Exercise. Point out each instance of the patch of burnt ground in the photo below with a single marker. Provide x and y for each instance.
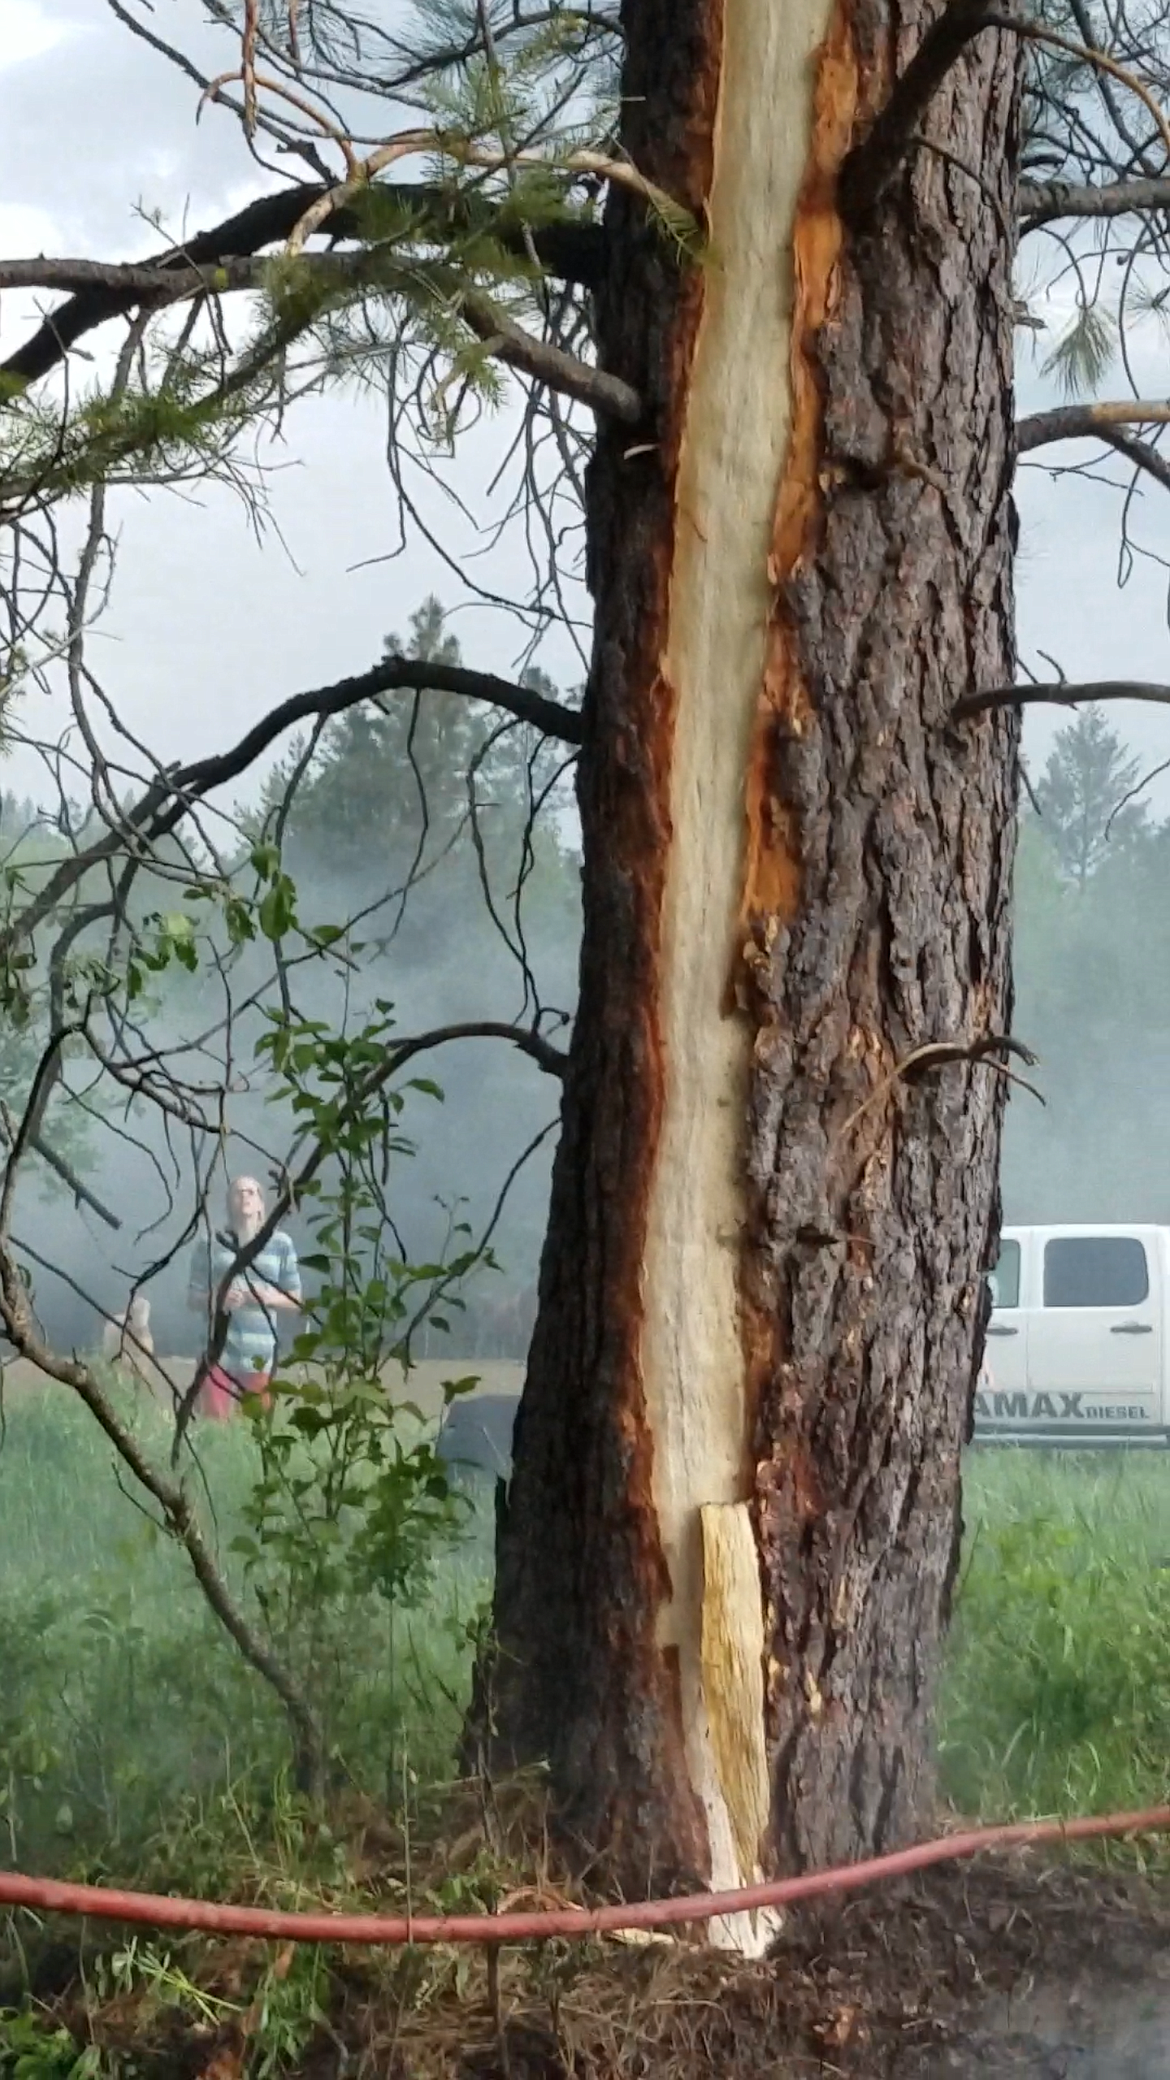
(1007, 1967)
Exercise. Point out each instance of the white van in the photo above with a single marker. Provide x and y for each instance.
(1078, 1345)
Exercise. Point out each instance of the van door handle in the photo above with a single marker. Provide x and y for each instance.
(1001, 1329)
(1132, 1329)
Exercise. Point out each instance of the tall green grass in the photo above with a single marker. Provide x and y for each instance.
(124, 1710)
(123, 1704)
(1056, 1691)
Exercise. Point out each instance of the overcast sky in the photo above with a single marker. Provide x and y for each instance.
(207, 627)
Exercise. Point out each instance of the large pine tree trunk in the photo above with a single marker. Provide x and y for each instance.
(724, 1568)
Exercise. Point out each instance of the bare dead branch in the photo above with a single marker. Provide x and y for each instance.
(1143, 455)
(551, 1059)
(170, 797)
(57, 1163)
(934, 1055)
(1105, 423)
(392, 675)
(1058, 695)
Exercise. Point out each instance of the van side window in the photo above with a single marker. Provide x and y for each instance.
(1005, 1279)
(1095, 1271)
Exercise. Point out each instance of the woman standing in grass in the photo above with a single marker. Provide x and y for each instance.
(268, 1287)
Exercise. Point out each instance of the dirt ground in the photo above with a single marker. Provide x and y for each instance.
(1002, 1969)
(996, 1970)
(1005, 1971)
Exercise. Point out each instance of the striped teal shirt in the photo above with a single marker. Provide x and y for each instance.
(250, 1343)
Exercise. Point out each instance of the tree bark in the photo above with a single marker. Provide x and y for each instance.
(725, 1561)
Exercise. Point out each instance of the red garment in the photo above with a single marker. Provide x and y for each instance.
(223, 1392)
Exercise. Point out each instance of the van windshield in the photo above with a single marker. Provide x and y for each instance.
(1005, 1279)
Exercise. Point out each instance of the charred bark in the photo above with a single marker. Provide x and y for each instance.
(725, 1564)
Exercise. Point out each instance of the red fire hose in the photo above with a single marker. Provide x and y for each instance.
(154, 1910)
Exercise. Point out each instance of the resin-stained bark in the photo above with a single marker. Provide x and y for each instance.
(725, 1562)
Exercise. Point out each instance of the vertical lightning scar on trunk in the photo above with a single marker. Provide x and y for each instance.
(746, 478)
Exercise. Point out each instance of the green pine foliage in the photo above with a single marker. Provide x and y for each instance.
(406, 251)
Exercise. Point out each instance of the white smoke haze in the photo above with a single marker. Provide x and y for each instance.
(155, 1178)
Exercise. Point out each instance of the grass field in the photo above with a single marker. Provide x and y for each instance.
(126, 1718)
(1056, 1693)
(125, 1712)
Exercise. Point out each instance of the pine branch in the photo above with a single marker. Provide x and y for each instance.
(569, 252)
(1044, 202)
(505, 339)
(508, 342)
(1102, 422)
(871, 166)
